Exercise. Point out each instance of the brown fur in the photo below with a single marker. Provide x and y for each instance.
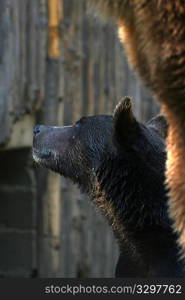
(153, 33)
(108, 210)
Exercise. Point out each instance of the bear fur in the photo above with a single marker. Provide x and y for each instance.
(153, 34)
(120, 164)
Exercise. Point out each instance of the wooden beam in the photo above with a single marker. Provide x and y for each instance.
(55, 15)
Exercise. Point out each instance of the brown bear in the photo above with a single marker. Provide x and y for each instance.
(153, 33)
(120, 164)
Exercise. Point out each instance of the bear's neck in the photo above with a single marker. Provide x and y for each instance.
(130, 195)
(134, 202)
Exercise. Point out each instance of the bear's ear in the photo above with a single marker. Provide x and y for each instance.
(124, 122)
(160, 125)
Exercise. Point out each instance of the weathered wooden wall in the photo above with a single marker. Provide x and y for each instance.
(88, 74)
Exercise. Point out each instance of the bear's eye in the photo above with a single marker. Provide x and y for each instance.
(78, 123)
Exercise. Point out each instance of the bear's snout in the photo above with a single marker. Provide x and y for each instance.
(40, 129)
(41, 137)
(51, 141)
(36, 129)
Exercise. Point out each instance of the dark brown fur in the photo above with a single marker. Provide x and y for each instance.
(153, 33)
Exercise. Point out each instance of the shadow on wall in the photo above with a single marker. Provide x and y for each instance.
(17, 214)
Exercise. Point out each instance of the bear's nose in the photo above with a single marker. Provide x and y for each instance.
(36, 129)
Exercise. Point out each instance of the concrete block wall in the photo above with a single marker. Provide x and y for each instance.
(17, 214)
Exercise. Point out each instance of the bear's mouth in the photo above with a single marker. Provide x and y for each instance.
(43, 154)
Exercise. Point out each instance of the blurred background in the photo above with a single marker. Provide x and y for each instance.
(57, 63)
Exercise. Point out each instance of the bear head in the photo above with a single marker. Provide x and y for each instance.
(115, 158)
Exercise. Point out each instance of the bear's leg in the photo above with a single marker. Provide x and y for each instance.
(175, 173)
